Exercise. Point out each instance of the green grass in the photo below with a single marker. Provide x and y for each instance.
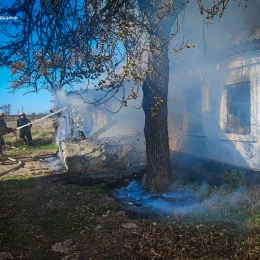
(48, 146)
(43, 141)
(38, 137)
(25, 150)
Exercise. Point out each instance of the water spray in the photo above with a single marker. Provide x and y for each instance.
(41, 118)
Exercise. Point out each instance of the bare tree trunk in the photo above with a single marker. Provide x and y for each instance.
(161, 15)
(155, 90)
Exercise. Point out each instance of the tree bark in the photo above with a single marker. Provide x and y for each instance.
(155, 88)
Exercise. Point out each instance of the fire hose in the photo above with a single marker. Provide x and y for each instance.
(16, 167)
(41, 118)
(21, 163)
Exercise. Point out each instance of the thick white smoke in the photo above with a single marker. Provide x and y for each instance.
(89, 118)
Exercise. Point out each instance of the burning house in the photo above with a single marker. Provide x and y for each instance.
(92, 139)
(214, 103)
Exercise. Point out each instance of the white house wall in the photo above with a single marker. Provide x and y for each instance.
(213, 142)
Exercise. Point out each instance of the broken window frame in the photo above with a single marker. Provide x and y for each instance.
(232, 129)
(193, 129)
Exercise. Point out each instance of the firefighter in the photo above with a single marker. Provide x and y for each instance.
(25, 132)
(3, 130)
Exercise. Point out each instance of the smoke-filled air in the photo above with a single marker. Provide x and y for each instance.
(150, 146)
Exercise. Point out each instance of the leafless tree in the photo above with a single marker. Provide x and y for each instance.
(6, 109)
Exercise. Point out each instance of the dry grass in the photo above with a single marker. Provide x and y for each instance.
(42, 135)
(45, 125)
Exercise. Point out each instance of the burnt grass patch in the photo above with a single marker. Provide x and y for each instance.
(110, 181)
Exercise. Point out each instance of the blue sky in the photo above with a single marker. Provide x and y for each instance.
(31, 102)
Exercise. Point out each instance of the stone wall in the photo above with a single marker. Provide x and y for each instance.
(102, 155)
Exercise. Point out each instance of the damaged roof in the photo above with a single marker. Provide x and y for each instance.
(252, 32)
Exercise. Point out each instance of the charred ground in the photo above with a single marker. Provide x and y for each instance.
(55, 215)
(42, 217)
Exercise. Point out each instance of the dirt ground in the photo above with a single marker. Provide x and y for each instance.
(43, 216)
